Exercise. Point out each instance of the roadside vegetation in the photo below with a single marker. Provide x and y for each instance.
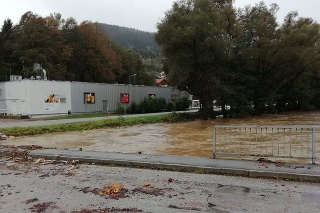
(73, 116)
(120, 121)
(241, 57)
(147, 105)
(153, 105)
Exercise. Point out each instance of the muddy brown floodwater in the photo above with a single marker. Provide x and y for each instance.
(183, 139)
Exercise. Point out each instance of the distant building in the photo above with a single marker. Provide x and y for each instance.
(161, 82)
(35, 97)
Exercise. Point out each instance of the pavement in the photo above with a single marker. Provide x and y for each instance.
(245, 168)
(5, 123)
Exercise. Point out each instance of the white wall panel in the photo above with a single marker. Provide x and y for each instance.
(29, 96)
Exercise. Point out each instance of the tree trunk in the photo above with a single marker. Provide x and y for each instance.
(206, 110)
(223, 110)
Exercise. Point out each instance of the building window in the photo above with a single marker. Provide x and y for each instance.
(63, 100)
(152, 96)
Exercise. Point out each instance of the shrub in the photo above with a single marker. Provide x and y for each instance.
(144, 106)
(171, 106)
(161, 104)
(182, 104)
(150, 105)
(120, 109)
(133, 109)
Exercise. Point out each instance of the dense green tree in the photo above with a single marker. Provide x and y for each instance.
(300, 38)
(241, 58)
(197, 40)
(276, 62)
(68, 51)
(257, 54)
(38, 40)
(5, 59)
(93, 58)
(133, 65)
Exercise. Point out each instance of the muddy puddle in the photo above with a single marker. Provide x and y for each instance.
(182, 139)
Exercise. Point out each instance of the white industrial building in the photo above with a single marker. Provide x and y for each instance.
(39, 97)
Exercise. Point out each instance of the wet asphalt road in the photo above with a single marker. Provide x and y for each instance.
(68, 188)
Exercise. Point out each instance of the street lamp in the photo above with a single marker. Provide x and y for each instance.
(130, 77)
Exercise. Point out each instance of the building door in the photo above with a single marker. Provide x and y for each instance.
(105, 106)
(13, 103)
(23, 107)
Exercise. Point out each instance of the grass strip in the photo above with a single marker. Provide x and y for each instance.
(107, 123)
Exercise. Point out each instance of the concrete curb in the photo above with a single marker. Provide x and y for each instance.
(186, 168)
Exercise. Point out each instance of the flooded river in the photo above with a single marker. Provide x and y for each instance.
(193, 138)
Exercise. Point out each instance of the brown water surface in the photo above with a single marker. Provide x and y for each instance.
(193, 138)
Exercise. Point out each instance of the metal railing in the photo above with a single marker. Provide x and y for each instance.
(266, 141)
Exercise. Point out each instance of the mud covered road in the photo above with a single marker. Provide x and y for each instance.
(36, 185)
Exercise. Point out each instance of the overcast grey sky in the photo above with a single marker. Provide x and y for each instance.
(138, 14)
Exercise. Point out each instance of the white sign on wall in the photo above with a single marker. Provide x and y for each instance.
(52, 102)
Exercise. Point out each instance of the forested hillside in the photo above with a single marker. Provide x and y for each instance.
(70, 51)
(140, 41)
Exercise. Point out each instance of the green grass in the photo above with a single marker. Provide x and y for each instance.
(73, 116)
(107, 123)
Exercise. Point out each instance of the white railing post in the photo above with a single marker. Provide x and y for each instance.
(214, 142)
(313, 145)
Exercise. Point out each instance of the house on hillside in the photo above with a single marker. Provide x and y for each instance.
(161, 82)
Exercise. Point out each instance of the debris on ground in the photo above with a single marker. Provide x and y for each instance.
(111, 191)
(18, 154)
(40, 160)
(72, 163)
(184, 208)
(3, 137)
(148, 185)
(41, 207)
(266, 163)
(31, 200)
(151, 190)
(109, 210)
(116, 191)
(170, 180)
